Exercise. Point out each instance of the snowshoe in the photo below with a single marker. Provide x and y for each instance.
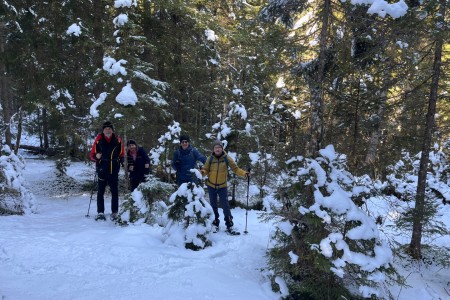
(231, 231)
(100, 217)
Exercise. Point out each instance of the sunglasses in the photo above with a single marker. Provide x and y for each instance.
(184, 142)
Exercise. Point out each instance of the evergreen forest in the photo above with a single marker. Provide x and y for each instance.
(307, 85)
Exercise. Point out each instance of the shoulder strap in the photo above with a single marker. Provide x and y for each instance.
(225, 158)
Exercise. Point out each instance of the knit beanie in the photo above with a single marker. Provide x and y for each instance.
(131, 142)
(108, 124)
(184, 137)
(217, 143)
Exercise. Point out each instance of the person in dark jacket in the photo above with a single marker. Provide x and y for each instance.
(108, 153)
(138, 164)
(185, 159)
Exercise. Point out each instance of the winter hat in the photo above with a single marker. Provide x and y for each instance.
(217, 143)
(108, 124)
(131, 142)
(184, 137)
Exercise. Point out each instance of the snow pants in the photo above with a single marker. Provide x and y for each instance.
(134, 182)
(113, 181)
(222, 193)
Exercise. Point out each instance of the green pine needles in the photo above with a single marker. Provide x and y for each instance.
(190, 217)
(326, 246)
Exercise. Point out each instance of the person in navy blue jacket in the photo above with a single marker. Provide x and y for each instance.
(138, 164)
(185, 159)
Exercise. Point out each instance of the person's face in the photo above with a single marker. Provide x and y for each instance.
(184, 144)
(217, 150)
(132, 147)
(107, 131)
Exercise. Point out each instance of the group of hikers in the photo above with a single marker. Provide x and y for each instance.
(109, 153)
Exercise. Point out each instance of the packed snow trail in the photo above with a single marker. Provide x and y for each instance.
(58, 253)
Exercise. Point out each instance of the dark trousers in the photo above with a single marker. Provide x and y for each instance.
(134, 182)
(113, 181)
(181, 181)
(222, 193)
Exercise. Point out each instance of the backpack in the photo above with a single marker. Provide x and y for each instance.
(225, 158)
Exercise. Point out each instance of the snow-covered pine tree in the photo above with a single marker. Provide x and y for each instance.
(401, 189)
(15, 199)
(147, 203)
(325, 245)
(160, 155)
(190, 217)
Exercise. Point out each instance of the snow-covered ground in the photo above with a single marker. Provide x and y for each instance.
(59, 253)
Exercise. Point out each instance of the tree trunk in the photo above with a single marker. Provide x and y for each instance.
(418, 213)
(45, 128)
(317, 101)
(19, 131)
(354, 157)
(375, 136)
(97, 32)
(5, 94)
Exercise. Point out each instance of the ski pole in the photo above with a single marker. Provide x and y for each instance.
(92, 193)
(246, 209)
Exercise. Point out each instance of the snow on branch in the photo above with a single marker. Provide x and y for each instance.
(383, 8)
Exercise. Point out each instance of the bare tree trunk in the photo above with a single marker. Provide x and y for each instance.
(45, 128)
(317, 101)
(98, 11)
(5, 94)
(378, 125)
(19, 131)
(354, 160)
(418, 213)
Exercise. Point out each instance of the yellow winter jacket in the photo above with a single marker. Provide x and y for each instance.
(217, 170)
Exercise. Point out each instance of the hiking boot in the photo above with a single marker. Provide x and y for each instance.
(114, 216)
(215, 225)
(229, 221)
(230, 230)
(100, 217)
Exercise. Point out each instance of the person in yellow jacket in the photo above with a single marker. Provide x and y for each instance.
(216, 167)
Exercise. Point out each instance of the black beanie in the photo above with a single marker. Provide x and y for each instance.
(184, 137)
(108, 124)
(131, 142)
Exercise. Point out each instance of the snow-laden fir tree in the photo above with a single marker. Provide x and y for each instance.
(401, 188)
(325, 245)
(14, 197)
(147, 203)
(190, 218)
(160, 154)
